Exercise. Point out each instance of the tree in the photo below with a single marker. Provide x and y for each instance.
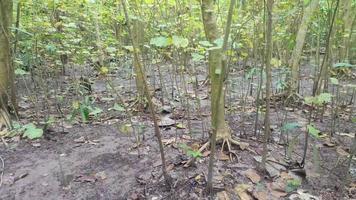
(297, 52)
(268, 55)
(6, 71)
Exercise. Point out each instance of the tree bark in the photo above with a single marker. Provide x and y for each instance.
(297, 52)
(268, 56)
(6, 71)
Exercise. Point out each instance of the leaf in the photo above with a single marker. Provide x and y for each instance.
(20, 72)
(292, 185)
(334, 81)
(313, 131)
(324, 98)
(95, 111)
(197, 57)
(205, 43)
(340, 65)
(159, 41)
(290, 126)
(194, 154)
(180, 42)
(32, 132)
(84, 112)
(252, 175)
(118, 107)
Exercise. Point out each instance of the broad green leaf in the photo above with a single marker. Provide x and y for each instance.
(292, 185)
(205, 43)
(324, 98)
(313, 131)
(194, 154)
(180, 42)
(32, 132)
(340, 65)
(20, 72)
(197, 57)
(290, 126)
(118, 107)
(334, 81)
(160, 41)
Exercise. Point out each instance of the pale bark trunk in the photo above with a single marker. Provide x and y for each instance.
(268, 56)
(297, 52)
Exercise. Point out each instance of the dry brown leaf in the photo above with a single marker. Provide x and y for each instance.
(252, 175)
(260, 195)
(222, 156)
(241, 191)
(342, 152)
(223, 196)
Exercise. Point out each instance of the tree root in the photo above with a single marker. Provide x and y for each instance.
(228, 140)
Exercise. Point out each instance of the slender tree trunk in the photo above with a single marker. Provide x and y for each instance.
(268, 56)
(217, 66)
(6, 70)
(348, 19)
(297, 52)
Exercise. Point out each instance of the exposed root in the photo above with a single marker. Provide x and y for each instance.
(225, 136)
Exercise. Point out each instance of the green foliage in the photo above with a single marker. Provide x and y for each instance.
(313, 131)
(318, 100)
(160, 41)
(32, 132)
(189, 151)
(84, 109)
(292, 185)
(290, 126)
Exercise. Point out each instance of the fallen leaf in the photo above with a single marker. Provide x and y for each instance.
(222, 196)
(342, 152)
(241, 190)
(303, 195)
(222, 156)
(166, 121)
(101, 175)
(252, 175)
(80, 140)
(169, 141)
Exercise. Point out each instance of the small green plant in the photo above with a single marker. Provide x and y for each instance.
(30, 131)
(292, 185)
(84, 109)
(190, 152)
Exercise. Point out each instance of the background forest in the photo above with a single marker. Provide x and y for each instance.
(177, 99)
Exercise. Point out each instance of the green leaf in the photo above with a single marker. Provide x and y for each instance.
(334, 81)
(32, 132)
(290, 126)
(217, 71)
(118, 107)
(194, 154)
(205, 43)
(95, 111)
(84, 112)
(160, 41)
(340, 65)
(313, 131)
(180, 42)
(292, 185)
(20, 72)
(197, 57)
(324, 98)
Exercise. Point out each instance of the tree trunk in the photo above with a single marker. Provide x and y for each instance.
(215, 62)
(6, 71)
(268, 56)
(348, 19)
(297, 52)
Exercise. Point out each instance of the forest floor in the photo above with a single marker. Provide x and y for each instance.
(102, 159)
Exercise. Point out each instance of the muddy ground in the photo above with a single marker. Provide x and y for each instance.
(102, 160)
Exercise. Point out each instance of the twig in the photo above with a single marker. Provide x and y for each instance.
(2, 170)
